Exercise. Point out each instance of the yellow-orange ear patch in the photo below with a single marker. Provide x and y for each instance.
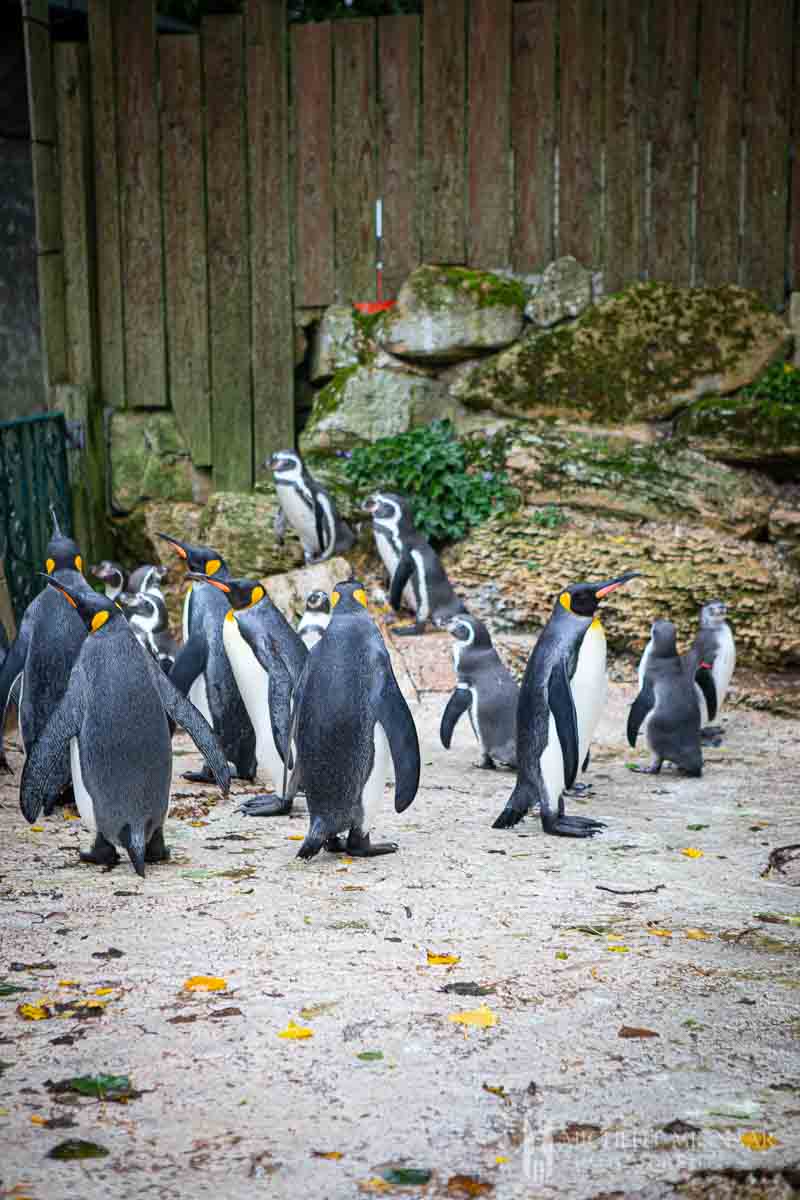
(335, 598)
(99, 620)
(361, 596)
(566, 600)
(230, 615)
(257, 594)
(78, 563)
(51, 565)
(212, 566)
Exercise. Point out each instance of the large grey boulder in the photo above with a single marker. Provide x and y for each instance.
(444, 314)
(149, 459)
(564, 293)
(335, 344)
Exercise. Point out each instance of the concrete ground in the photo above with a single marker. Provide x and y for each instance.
(571, 944)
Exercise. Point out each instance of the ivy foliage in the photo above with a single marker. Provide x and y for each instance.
(452, 485)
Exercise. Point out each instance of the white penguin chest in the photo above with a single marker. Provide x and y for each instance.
(83, 800)
(589, 685)
(299, 510)
(724, 663)
(390, 558)
(253, 684)
(372, 795)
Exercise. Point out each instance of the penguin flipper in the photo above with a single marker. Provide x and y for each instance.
(280, 700)
(402, 573)
(184, 713)
(189, 663)
(457, 705)
(641, 706)
(395, 717)
(704, 679)
(13, 665)
(47, 767)
(562, 706)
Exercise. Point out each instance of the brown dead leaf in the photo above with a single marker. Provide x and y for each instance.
(468, 1185)
(576, 1133)
(633, 1031)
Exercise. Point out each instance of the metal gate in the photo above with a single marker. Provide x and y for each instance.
(33, 476)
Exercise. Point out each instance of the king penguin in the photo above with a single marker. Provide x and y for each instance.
(712, 657)
(417, 577)
(562, 696)
(202, 669)
(50, 635)
(309, 508)
(254, 634)
(315, 618)
(116, 740)
(349, 718)
(486, 690)
(667, 698)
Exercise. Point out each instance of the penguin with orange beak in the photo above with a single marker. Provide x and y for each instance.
(561, 699)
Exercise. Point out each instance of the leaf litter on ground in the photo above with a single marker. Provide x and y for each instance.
(97, 1087)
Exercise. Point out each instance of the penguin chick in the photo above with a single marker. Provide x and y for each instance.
(112, 576)
(712, 659)
(309, 508)
(485, 689)
(417, 576)
(562, 696)
(315, 619)
(667, 697)
(348, 718)
(118, 739)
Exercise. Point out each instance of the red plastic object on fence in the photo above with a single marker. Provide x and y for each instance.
(373, 306)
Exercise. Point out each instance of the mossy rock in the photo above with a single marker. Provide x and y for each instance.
(345, 338)
(642, 354)
(565, 292)
(444, 314)
(240, 525)
(511, 569)
(149, 459)
(743, 429)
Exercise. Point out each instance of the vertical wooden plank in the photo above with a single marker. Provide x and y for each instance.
(47, 198)
(312, 101)
(355, 161)
(108, 246)
(580, 132)
(720, 126)
(185, 251)
(533, 131)
(624, 233)
(794, 229)
(270, 263)
(671, 73)
(228, 271)
(769, 89)
(71, 73)
(489, 143)
(444, 67)
(398, 141)
(140, 191)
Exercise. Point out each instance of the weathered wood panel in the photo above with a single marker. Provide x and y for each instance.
(355, 165)
(108, 245)
(228, 253)
(444, 70)
(140, 189)
(71, 68)
(312, 101)
(720, 124)
(489, 141)
(580, 131)
(186, 265)
(767, 112)
(671, 74)
(47, 198)
(624, 233)
(794, 231)
(268, 143)
(533, 131)
(398, 146)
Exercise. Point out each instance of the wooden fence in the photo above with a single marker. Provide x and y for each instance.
(233, 175)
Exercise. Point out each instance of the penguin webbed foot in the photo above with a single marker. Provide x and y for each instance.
(414, 630)
(711, 735)
(5, 768)
(360, 846)
(560, 825)
(156, 850)
(267, 805)
(102, 854)
(578, 789)
(487, 763)
(204, 775)
(335, 845)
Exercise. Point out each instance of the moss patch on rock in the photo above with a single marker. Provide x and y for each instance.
(435, 287)
(743, 429)
(240, 524)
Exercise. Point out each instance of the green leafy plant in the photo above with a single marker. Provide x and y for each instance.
(452, 485)
(549, 517)
(780, 384)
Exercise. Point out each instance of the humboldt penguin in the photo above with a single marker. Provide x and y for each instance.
(562, 696)
(147, 617)
(712, 657)
(486, 690)
(667, 698)
(315, 619)
(255, 633)
(37, 666)
(308, 508)
(201, 667)
(417, 577)
(112, 576)
(148, 578)
(115, 741)
(349, 718)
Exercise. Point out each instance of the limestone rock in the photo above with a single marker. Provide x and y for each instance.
(364, 403)
(642, 354)
(739, 429)
(565, 292)
(510, 571)
(240, 525)
(289, 590)
(335, 343)
(149, 459)
(444, 314)
(784, 523)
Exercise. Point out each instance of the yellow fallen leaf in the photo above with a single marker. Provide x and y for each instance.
(37, 1120)
(69, 814)
(205, 983)
(692, 852)
(660, 932)
(482, 1018)
(443, 960)
(697, 935)
(758, 1139)
(375, 1185)
(68, 983)
(501, 1158)
(348, 861)
(333, 1155)
(296, 1032)
(37, 828)
(295, 837)
(34, 1012)
(103, 991)
(198, 824)
(91, 1003)
(618, 949)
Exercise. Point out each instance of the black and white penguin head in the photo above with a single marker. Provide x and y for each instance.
(469, 630)
(388, 508)
(95, 611)
(202, 560)
(348, 597)
(152, 578)
(62, 552)
(713, 614)
(241, 593)
(318, 602)
(140, 609)
(110, 573)
(583, 599)
(286, 466)
(663, 639)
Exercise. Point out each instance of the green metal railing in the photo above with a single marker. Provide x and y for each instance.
(33, 476)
